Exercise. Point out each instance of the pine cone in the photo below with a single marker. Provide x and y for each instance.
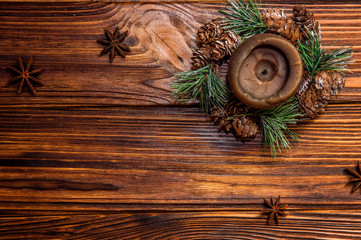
(201, 57)
(210, 31)
(233, 119)
(244, 127)
(220, 118)
(312, 103)
(323, 86)
(278, 23)
(225, 45)
(304, 19)
(329, 82)
(234, 107)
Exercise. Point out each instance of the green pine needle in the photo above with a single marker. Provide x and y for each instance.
(244, 18)
(201, 84)
(274, 125)
(316, 58)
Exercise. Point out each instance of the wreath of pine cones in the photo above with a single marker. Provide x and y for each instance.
(217, 42)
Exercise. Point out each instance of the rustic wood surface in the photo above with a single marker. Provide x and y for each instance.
(103, 151)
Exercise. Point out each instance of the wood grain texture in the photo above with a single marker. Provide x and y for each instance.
(191, 225)
(62, 38)
(131, 157)
(103, 152)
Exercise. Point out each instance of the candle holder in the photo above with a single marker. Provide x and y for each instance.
(265, 71)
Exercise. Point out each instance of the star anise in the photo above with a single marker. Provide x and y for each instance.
(26, 75)
(113, 43)
(275, 211)
(356, 180)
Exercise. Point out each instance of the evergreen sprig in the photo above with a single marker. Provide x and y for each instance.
(316, 58)
(274, 125)
(202, 83)
(244, 18)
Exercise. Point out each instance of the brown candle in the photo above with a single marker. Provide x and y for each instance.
(265, 71)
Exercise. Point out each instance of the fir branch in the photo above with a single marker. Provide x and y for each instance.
(274, 125)
(316, 58)
(201, 84)
(244, 18)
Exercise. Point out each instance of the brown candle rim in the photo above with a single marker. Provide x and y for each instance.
(294, 75)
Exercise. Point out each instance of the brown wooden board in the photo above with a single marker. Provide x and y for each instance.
(190, 225)
(170, 156)
(62, 38)
(104, 152)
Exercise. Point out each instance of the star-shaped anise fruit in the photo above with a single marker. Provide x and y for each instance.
(113, 43)
(26, 75)
(356, 180)
(275, 211)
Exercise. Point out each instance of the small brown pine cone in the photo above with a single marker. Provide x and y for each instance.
(201, 57)
(278, 23)
(323, 83)
(220, 118)
(330, 82)
(304, 19)
(216, 115)
(210, 31)
(311, 102)
(244, 127)
(323, 86)
(225, 45)
(233, 119)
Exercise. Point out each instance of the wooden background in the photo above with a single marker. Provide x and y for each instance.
(103, 151)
